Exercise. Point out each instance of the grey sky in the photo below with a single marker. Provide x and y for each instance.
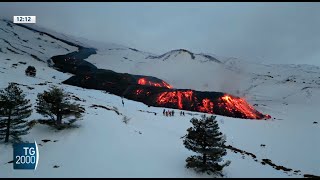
(264, 32)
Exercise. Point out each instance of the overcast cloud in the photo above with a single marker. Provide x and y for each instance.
(262, 32)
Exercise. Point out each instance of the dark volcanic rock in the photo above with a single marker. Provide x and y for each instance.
(46, 140)
(74, 63)
(310, 176)
(9, 162)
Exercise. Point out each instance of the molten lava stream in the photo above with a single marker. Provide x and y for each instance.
(207, 106)
(186, 99)
(177, 98)
(167, 85)
(144, 81)
(240, 105)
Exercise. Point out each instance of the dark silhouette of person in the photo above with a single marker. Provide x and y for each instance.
(172, 112)
(164, 111)
(122, 103)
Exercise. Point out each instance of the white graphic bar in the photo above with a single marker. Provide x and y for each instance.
(24, 19)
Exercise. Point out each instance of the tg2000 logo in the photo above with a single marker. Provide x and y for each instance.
(25, 155)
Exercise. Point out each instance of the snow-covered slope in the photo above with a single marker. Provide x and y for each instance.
(150, 145)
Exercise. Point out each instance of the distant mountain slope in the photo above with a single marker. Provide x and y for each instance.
(19, 41)
(181, 54)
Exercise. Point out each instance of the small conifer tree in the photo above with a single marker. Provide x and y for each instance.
(14, 108)
(205, 139)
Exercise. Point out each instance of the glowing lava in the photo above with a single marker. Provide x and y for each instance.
(226, 104)
(207, 106)
(144, 81)
(139, 91)
(239, 105)
(177, 98)
(167, 85)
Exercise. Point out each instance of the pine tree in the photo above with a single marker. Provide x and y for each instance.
(56, 104)
(205, 139)
(14, 108)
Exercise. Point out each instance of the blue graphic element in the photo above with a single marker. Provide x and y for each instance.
(25, 156)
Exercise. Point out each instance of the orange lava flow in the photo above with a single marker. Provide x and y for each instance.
(139, 91)
(240, 105)
(207, 106)
(189, 100)
(143, 81)
(175, 97)
(167, 85)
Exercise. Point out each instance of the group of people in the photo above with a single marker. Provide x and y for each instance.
(168, 113)
(171, 113)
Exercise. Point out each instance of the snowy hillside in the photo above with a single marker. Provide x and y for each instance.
(150, 145)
